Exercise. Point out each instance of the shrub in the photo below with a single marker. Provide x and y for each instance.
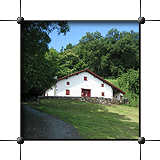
(129, 82)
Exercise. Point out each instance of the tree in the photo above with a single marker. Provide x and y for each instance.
(108, 56)
(113, 36)
(69, 63)
(121, 56)
(122, 52)
(91, 49)
(36, 71)
(69, 46)
(129, 82)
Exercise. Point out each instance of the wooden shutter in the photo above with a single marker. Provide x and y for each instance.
(67, 92)
(85, 78)
(67, 83)
(102, 85)
(102, 93)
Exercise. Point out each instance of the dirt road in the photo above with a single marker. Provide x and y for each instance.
(39, 125)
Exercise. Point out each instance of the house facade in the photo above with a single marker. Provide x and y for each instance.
(84, 84)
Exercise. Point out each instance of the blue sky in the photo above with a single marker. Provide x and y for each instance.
(78, 29)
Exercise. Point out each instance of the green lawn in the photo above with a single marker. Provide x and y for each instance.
(94, 121)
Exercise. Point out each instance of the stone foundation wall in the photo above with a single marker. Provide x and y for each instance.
(99, 100)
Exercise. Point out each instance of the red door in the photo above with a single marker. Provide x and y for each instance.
(83, 92)
(86, 93)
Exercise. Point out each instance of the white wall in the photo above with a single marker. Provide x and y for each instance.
(118, 95)
(51, 92)
(77, 82)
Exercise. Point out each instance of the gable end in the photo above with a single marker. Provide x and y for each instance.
(95, 75)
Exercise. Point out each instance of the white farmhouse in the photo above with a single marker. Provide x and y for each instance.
(84, 83)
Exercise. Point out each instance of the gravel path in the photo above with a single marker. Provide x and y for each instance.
(39, 125)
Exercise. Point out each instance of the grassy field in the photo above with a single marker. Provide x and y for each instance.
(94, 121)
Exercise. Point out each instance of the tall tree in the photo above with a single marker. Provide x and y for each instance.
(69, 63)
(36, 71)
(91, 49)
(122, 52)
(111, 55)
(69, 46)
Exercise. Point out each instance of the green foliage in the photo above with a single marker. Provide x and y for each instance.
(122, 53)
(90, 50)
(130, 81)
(109, 56)
(69, 46)
(37, 70)
(69, 63)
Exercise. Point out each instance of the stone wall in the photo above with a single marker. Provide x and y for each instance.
(100, 100)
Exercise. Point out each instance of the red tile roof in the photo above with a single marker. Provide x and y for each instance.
(87, 70)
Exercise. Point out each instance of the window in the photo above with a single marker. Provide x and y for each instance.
(102, 93)
(102, 85)
(67, 83)
(67, 92)
(85, 78)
